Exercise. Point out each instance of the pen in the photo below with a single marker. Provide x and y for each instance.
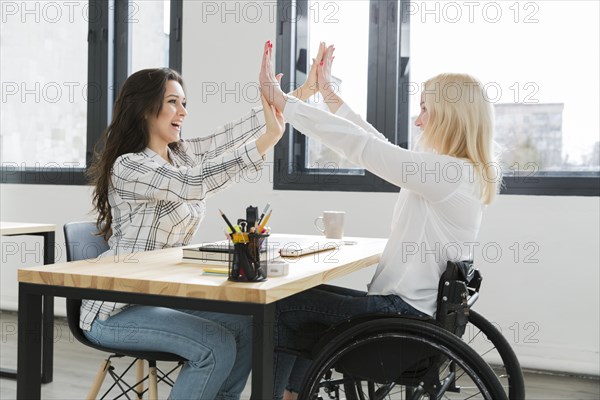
(227, 221)
(264, 222)
(263, 214)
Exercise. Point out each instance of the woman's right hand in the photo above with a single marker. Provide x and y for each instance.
(275, 124)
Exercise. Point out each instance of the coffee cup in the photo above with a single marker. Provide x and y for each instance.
(331, 224)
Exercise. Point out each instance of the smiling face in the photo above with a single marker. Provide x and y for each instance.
(165, 127)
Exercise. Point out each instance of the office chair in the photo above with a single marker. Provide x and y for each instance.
(82, 242)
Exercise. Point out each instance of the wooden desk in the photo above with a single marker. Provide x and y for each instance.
(47, 232)
(162, 278)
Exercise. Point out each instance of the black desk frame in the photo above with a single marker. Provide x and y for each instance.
(30, 330)
(47, 343)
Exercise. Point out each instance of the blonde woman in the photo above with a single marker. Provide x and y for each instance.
(445, 187)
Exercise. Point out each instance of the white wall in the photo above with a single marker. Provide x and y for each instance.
(547, 305)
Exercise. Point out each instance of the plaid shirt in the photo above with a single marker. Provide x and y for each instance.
(156, 204)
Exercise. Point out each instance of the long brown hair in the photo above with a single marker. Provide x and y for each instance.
(142, 95)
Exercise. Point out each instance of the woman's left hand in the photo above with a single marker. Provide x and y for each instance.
(269, 83)
(311, 86)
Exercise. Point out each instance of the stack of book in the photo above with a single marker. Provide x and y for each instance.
(215, 257)
(210, 253)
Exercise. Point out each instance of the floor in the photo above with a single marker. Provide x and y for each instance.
(75, 366)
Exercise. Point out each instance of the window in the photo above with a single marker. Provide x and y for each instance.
(61, 63)
(44, 87)
(365, 33)
(540, 83)
(150, 24)
(538, 80)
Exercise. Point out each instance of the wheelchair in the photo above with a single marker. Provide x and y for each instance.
(383, 356)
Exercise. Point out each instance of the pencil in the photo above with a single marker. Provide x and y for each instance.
(264, 222)
(263, 214)
(227, 221)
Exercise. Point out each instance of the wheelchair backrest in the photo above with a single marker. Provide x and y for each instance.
(459, 282)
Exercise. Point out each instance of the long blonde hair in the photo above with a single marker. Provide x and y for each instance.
(461, 124)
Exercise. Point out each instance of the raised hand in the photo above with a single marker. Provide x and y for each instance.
(324, 79)
(274, 120)
(311, 86)
(328, 88)
(275, 124)
(269, 84)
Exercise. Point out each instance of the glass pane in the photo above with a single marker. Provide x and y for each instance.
(43, 59)
(149, 34)
(528, 56)
(346, 25)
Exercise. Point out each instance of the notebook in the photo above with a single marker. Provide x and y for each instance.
(286, 246)
(216, 251)
(296, 247)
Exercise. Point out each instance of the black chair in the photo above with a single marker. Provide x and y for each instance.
(83, 242)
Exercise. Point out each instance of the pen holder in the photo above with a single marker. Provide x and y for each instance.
(248, 261)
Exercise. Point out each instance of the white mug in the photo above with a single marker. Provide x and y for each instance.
(333, 224)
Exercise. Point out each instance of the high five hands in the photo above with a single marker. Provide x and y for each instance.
(319, 78)
(274, 121)
(269, 84)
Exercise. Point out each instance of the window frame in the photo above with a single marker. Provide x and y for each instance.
(107, 68)
(384, 83)
(289, 170)
(552, 183)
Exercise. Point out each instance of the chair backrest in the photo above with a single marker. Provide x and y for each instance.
(82, 243)
(460, 281)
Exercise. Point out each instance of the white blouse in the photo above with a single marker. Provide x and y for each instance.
(438, 212)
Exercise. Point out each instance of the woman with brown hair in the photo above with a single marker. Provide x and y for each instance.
(150, 188)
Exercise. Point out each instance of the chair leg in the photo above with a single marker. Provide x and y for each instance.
(99, 380)
(140, 376)
(152, 382)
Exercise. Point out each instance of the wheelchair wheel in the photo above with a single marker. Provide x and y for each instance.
(490, 344)
(399, 359)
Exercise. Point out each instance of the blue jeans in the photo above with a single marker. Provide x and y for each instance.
(300, 320)
(218, 346)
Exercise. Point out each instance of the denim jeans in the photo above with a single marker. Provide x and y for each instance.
(218, 346)
(301, 320)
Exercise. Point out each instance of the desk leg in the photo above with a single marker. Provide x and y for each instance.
(29, 346)
(48, 325)
(262, 352)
